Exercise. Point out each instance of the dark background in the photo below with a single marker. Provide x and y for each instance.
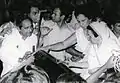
(109, 9)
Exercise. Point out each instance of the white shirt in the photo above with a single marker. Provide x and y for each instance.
(14, 47)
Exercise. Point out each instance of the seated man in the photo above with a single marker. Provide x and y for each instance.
(17, 44)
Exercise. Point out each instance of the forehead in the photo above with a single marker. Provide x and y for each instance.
(81, 17)
(56, 10)
(34, 9)
(26, 23)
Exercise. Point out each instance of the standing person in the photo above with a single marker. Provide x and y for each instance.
(34, 13)
(59, 28)
(17, 45)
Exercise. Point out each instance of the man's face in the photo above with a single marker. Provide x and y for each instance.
(56, 15)
(82, 20)
(34, 14)
(26, 28)
(117, 28)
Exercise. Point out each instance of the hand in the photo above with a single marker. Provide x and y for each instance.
(27, 55)
(93, 39)
(62, 17)
(6, 31)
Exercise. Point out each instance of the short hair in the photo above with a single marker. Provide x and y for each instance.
(61, 9)
(30, 5)
(27, 74)
(85, 10)
(70, 77)
(65, 9)
(22, 18)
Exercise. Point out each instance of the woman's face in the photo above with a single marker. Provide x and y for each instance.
(82, 20)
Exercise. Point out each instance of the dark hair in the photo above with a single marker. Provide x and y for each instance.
(29, 74)
(82, 10)
(70, 77)
(22, 18)
(88, 10)
(30, 5)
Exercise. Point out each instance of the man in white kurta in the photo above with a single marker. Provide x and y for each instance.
(14, 47)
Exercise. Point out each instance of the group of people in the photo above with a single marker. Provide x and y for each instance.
(87, 47)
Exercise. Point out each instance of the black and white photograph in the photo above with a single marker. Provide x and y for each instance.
(59, 41)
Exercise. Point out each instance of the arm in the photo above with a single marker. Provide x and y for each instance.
(71, 40)
(94, 77)
(74, 52)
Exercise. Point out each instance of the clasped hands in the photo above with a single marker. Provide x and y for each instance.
(25, 57)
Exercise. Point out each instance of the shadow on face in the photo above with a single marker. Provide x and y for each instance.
(82, 20)
(34, 14)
